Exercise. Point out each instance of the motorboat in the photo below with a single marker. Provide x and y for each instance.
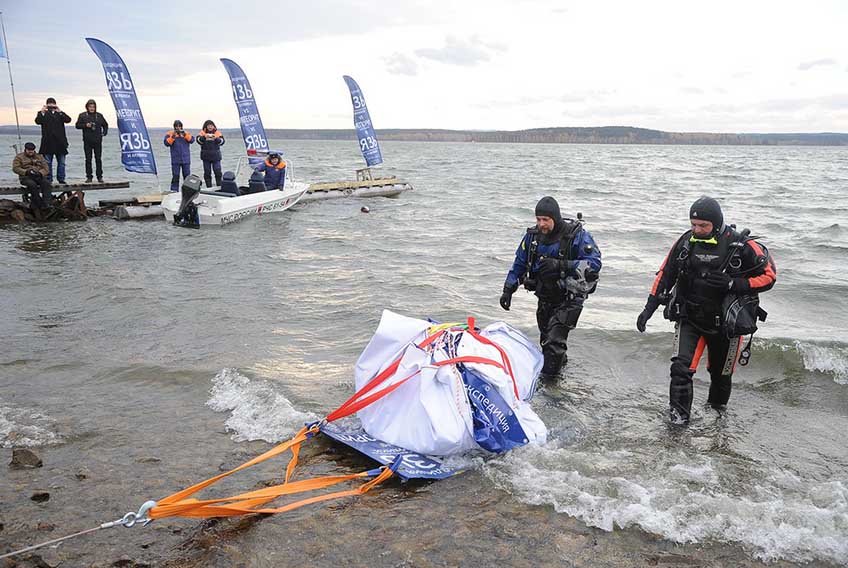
(194, 206)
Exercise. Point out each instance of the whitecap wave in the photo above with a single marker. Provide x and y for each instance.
(257, 410)
(779, 517)
(825, 359)
(25, 427)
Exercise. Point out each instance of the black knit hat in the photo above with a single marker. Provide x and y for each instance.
(548, 207)
(51, 101)
(29, 146)
(707, 209)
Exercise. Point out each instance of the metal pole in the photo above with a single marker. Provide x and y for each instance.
(11, 81)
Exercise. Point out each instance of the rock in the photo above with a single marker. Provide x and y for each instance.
(40, 496)
(82, 474)
(148, 460)
(18, 215)
(23, 458)
(45, 527)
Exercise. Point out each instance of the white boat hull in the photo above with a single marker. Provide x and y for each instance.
(392, 190)
(218, 210)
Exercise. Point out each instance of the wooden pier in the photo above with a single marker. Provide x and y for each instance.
(75, 186)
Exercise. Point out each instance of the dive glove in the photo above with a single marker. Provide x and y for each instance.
(506, 297)
(551, 268)
(723, 281)
(650, 307)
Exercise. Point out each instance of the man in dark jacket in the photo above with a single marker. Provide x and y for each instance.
(705, 265)
(179, 141)
(559, 261)
(94, 128)
(54, 141)
(274, 169)
(210, 140)
(32, 170)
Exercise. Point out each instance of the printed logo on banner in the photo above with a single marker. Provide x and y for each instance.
(412, 464)
(252, 130)
(495, 426)
(136, 153)
(362, 122)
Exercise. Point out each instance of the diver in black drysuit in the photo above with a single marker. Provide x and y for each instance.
(694, 279)
(559, 261)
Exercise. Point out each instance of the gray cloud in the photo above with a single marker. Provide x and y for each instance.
(807, 65)
(459, 52)
(400, 64)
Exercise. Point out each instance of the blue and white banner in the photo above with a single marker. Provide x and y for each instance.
(496, 428)
(364, 129)
(136, 152)
(251, 123)
(412, 465)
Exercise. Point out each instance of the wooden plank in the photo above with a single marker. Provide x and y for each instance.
(153, 198)
(355, 184)
(75, 186)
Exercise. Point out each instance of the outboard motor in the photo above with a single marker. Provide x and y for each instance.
(187, 215)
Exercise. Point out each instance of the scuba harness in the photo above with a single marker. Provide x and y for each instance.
(739, 313)
(580, 286)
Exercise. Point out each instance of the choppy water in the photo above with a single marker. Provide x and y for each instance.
(136, 339)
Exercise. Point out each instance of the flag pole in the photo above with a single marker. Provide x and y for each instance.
(11, 81)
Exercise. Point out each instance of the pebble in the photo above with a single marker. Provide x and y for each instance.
(23, 458)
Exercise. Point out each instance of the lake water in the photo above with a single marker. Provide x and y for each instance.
(143, 356)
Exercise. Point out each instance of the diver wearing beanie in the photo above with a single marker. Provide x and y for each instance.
(559, 261)
(707, 264)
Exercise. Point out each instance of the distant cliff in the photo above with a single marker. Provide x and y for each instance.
(560, 135)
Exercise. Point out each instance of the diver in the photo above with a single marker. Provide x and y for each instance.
(559, 261)
(709, 267)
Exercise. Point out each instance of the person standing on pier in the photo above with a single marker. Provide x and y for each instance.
(94, 128)
(54, 141)
(179, 141)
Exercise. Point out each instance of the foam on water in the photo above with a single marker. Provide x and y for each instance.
(257, 410)
(25, 427)
(777, 516)
(824, 359)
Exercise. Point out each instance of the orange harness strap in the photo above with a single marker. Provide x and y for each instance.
(181, 504)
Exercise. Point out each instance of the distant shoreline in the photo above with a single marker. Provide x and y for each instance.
(560, 135)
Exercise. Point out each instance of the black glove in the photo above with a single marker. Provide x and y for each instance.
(506, 297)
(719, 280)
(550, 268)
(650, 307)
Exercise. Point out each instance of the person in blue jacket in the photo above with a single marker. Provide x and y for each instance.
(179, 141)
(559, 261)
(210, 140)
(274, 168)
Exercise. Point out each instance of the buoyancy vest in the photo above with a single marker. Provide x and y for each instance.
(558, 245)
(693, 299)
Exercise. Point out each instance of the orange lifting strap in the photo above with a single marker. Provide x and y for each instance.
(181, 504)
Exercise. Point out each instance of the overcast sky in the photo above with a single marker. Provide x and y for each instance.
(713, 66)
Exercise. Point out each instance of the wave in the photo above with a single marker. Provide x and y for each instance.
(828, 358)
(26, 427)
(257, 410)
(778, 517)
